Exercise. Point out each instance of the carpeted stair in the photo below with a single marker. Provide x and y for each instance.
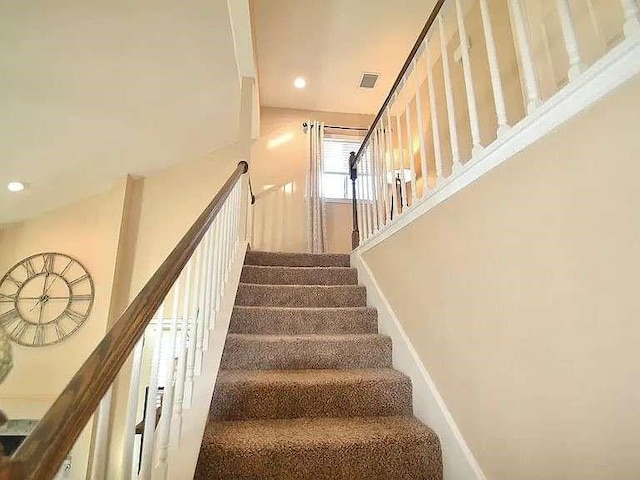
(306, 388)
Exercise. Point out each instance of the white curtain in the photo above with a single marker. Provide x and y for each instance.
(316, 225)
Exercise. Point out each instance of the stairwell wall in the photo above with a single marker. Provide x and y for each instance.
(519, 294)
(88, 231)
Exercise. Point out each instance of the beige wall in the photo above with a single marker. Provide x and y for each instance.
(121, 237)
(520, 295)
(169, 202)
(87, 231)
(280, 156)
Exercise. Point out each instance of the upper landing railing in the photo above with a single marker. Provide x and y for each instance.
(478, 70)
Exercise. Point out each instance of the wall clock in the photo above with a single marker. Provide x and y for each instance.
(44, 299)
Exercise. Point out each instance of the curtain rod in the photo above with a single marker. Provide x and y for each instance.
(305, 126)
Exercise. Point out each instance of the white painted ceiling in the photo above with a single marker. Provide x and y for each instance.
(330, 43)
(93, 90)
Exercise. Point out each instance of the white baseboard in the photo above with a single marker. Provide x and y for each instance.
(184, 457)
(428, 405)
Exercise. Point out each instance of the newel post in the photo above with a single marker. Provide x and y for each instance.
(353, 174)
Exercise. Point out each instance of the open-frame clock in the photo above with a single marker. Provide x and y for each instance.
(44, 299)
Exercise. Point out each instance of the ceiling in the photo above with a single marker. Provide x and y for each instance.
(94, 90)
(330, 43)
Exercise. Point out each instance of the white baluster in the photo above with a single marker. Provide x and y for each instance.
(164, 425)
(152, 395)
(494, 70)
(215, 279)
(132, 411)
(220, 261)
(238, 220)
(367, 187)
(403, 186)
(359, 204)
(526, 60)
(227, 238)
(378, 180)
(423, 150)
(448, 90)
(181, 375)
(373, 149)
(193, 331)
(202, 264)
(373, 179)
(412, 167)
(435, 129)
(361, 200)
(363, 197)
(250, 228)
(576, 66)
(392, 158)
(206, 291)
(383, 175)
(468, 82)
(631, 18)
(211, 273)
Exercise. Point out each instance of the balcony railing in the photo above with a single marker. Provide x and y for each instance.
(479, 72)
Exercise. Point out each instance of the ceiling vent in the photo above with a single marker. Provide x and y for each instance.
(368, 80)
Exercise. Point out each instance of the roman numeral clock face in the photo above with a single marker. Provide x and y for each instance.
(44, 299)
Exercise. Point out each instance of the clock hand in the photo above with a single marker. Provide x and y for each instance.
(44, 291)
(56, 277)
(42, 304)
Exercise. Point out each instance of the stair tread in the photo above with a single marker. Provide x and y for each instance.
(298, 275)
(311, 377)
(312, 337)
(256, 257)
(342, 432)
(302, 286)
(299, 268)
(301, 296)
(306, 351)
(273, 308)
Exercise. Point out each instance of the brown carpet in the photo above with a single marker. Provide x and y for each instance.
(306, 389)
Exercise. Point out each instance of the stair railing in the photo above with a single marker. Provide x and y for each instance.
(479, 72)
(171, 318)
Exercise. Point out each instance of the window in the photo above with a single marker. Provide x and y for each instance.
(336, 183)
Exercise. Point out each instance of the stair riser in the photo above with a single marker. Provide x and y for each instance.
(296, 296)
(402, 458)
(299, 276)
(246, 401)
(296, 259)
(294, 321)
(305, 354)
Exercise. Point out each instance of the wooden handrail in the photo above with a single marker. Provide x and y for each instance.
(43, 451)
(403, 70)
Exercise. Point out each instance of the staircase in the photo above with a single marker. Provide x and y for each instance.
(306, 389)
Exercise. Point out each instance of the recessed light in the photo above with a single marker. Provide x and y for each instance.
(15, 186)
(300, 82)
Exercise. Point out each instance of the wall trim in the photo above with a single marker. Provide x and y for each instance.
(616, 67)
(429, 406)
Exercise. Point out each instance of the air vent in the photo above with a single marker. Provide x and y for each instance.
(368, 80)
